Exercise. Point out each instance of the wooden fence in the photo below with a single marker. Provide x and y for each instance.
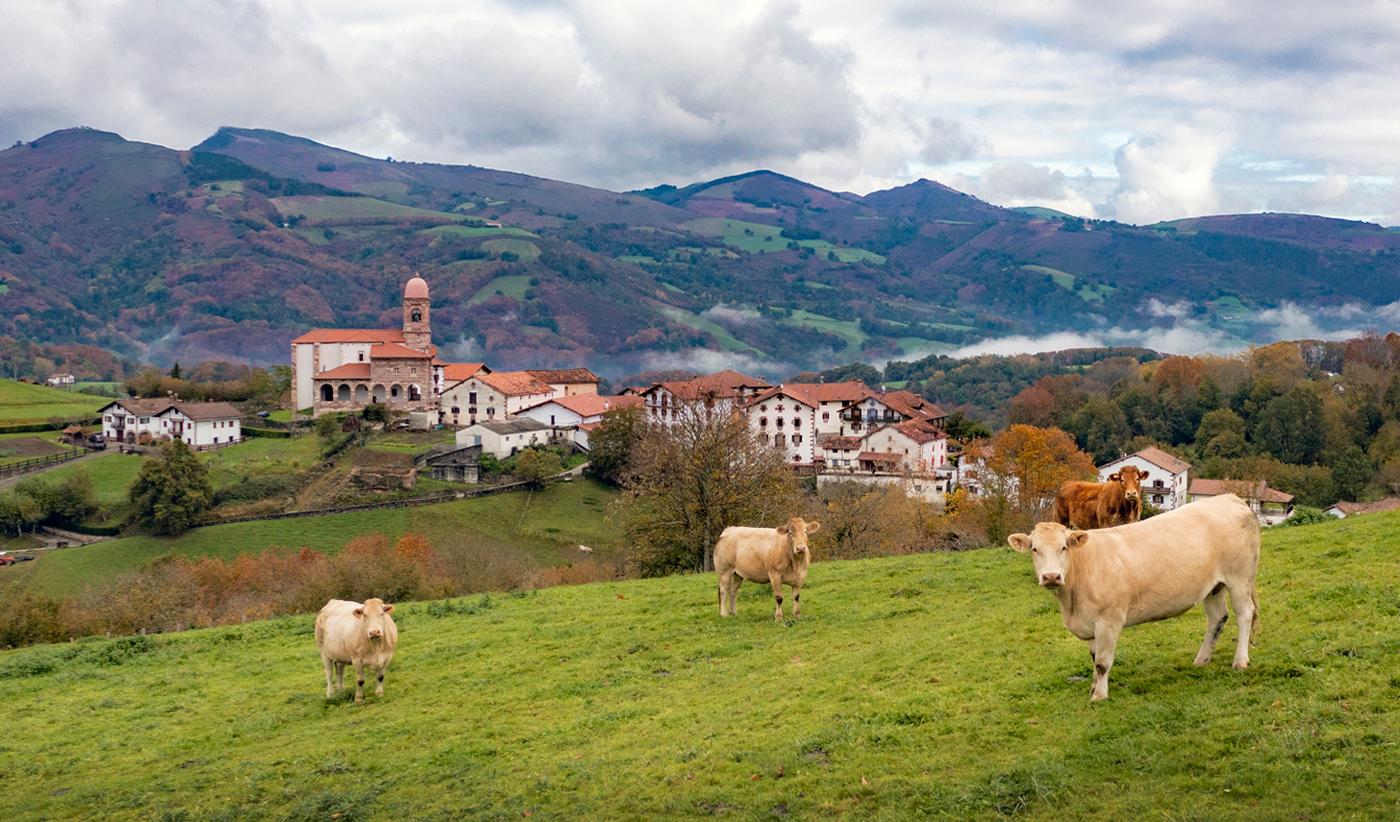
(35, 463)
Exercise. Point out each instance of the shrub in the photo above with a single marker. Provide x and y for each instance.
(1306, 515)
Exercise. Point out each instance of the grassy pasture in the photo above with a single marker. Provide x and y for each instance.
(1088, 292)
(319, 210)
(469, 231)
(727, 341)
(22, 403)
(848, 330)
(924, 686)
(513, 285)
(524, 248)
(560, 517)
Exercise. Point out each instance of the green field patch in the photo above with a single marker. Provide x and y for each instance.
(525, 249)
(514, 285)
(919, 345)
(4, 288)
(755, 238)
(561, 516)
(848, 330)
(939, 686)
(636, 259)
(674, 289)
(23, 403)
(726, 340)
(468, 231)
(319, 210)
(1088, 292)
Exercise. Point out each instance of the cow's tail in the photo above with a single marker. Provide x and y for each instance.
(1254, 626)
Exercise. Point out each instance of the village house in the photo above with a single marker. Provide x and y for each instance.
(493, 395)
(457, 404)
(1270, 505)
(665, 402)
(567, 382)
(1168, 477)
(197, 424)
(62, 380)
(1342, 510)
(503, 438)
(577, 415)
(916, 446)
(452, 463)
(874, 409)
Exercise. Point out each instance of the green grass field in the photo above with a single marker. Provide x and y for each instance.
(524, 249)
(848, 330)
(261, 456)
(1088, 292)
(513, 285)
(467, 231)
(757, 238)
(22, 403)
(320, 210)
(111, 475)
(542, 527)
(726, 340)
(923, 686)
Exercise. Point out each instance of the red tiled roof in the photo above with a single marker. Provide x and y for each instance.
(208, 410)
(814, 393)
(1353, 508)
(141, 407)
(351, 335)
(395, 351)
(514, 383)
(564, 376)
(911, 405)
(592, 405)
(462, 371)
(920, 431)
(1250, 490)
(348, 371)
(1159, 458)
(877, 456)
(719, 385)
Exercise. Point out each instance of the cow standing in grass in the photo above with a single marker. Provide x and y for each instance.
(361, 635)
(1091, 505)
(778, 556)
(1109, 579)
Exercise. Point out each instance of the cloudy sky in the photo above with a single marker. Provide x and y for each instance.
(1133, 110)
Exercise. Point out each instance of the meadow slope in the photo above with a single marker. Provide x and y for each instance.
(936, 685)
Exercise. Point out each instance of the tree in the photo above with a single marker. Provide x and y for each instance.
(1217, 422)
(1291, 427)
(173, 490)
(175, 371)
(1100, 427)
(535, 465)
(18, 511)
(611, 444)
(689, 480)
(1025, 467)
(69, 500)
(1351, 473)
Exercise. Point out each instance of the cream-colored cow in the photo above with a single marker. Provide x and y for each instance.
(1155, 569)
(349, 633)
(778, 556)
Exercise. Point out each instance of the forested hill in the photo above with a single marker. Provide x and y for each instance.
(229, 249)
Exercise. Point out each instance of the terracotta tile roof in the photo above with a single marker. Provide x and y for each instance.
(815, 393)
(838, 443)
(141, 407)
(348, 371)
(719, 385)
(920, 431)
(1379, 506)
(911, 405)
(564, 376)
(396, 351)
(351, 335)
(592, 405)
(515, 383)
(1243, 488)
(1159, 458)
(878, 456)
(462, 371)
(208, 410)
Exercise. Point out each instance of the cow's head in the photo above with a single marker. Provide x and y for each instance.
(1131, 479)
(797, 530)
(1052, 548)
(374, 617)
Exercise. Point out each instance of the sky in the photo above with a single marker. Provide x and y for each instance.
(1130, 110)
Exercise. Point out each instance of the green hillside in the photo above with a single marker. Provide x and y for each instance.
(22, 403)
(931, 685)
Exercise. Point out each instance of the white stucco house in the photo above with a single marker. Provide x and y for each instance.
(502, 438)
(197, 424)
(1168, 477)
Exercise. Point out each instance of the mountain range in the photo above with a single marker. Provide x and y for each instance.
(229, 249)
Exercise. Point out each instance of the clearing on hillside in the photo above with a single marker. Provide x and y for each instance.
(22, 403)
(930, 685)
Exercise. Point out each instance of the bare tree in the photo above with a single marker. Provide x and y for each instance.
(691, 478)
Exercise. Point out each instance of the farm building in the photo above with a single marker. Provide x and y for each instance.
(198, 424)
(1270, 505)
(502, 438)
(1168, 477)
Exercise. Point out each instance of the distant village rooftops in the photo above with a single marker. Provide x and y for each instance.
(1158, 457)
(351, 335)
(812, 394)
(592, 405)
(397, 351)
(1243, 488)
(462, 371)
(515, 383)
(564, 376)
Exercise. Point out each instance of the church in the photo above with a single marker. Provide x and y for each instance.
(345, 369)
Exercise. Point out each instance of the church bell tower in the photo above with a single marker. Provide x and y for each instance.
(417, 331)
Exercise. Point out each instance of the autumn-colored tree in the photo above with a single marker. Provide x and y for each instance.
(1033, 406)
(1026, 465)
(610, 445)
(690, 479)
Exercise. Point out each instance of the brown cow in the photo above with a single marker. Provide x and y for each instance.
(778, 556)
(1090, 505)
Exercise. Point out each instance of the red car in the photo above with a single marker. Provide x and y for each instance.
(11, 559)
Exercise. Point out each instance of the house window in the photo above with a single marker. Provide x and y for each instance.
(778, 440)
(796, 439)
(762, 422)
(780, 422)
(826, 415)
(471, 398)
(362, 356)
(796, 422)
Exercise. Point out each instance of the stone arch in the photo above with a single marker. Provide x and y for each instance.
(327, 393)
(416, 315)
(414, 392)
(395, 391)
(342, 394)
(362, 393)
(379, 393)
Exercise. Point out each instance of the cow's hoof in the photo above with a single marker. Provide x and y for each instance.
(1240, 666)
(1097, 697)
(1201, 663)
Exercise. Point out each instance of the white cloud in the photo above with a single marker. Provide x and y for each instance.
(705, 360)
(731, 314)
(1168, 176)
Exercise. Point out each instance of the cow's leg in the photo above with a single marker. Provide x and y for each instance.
(1217, 612)
(1242, 597)
(359, 680)
(340, 676)
(330, 678)
(379, 682)
(777, 582)
(796, 601)
(726, 592)
(1105, 643)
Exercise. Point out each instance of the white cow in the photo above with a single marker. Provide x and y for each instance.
(778, 556)
(349, 633)
(1155, 569)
